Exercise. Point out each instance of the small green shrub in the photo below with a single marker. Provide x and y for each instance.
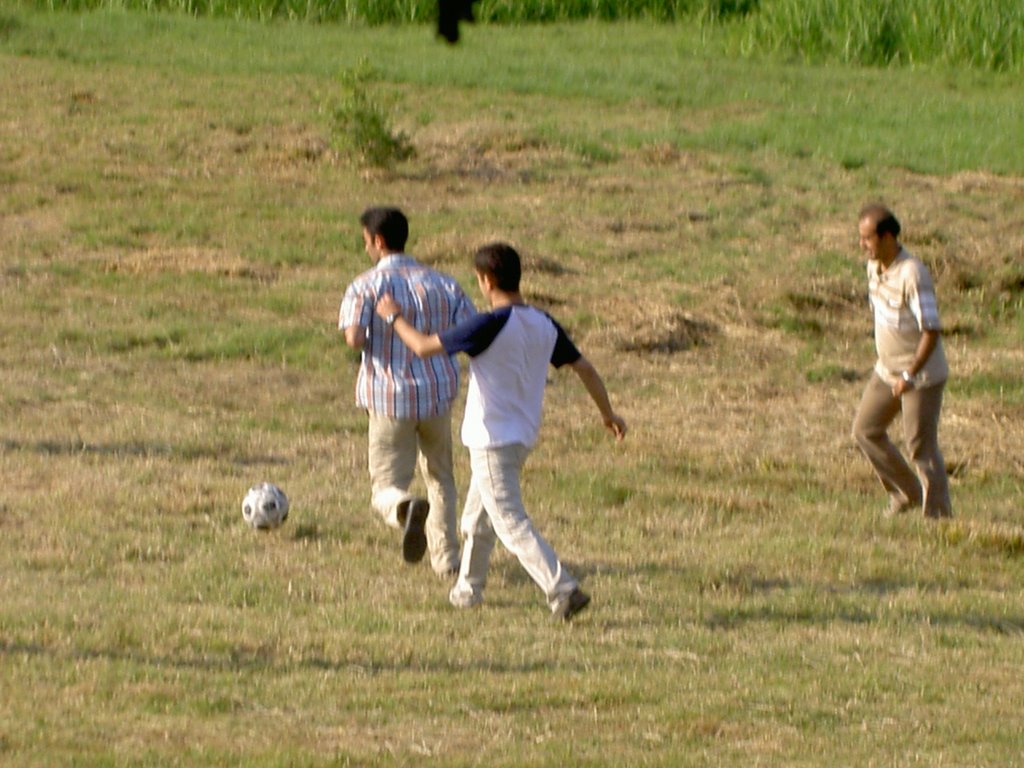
(8, 26)
(361, 127)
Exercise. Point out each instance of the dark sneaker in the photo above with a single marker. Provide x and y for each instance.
(572, 604)
(414, 540)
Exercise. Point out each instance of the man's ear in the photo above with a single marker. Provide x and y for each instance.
(380, 243)
(487, 280)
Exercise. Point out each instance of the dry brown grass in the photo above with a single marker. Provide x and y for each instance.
(750, 605)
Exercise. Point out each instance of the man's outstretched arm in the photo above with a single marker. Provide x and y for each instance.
(421, 344)
(599, 394)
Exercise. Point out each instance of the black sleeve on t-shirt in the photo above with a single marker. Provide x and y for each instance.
(476, 334)
(565, 352)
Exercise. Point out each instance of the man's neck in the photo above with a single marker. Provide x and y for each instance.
(887, 259)
(501, 299)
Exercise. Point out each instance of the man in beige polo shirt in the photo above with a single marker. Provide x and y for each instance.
(910, 374)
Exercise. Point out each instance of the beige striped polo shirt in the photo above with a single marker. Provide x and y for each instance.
(903, 299)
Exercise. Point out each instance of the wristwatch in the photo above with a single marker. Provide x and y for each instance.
(908, 377)
(390, 319)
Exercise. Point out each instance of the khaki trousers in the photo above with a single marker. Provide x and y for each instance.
(393, 447)
(494, 510)
(928, 487)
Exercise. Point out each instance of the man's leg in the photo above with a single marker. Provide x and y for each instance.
(921, 409)
(876, 412)
(496, 477)
(392, 462)
(477, 547)
(435, 444)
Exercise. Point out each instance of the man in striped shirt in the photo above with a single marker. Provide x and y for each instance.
(910, 373)
(408, 400)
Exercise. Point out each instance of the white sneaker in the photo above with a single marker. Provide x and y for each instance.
(464, 597)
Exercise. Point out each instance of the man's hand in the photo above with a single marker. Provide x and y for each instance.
(421, 344)
(901, 386)
(595, 388)
(387, 306)
(616, 425)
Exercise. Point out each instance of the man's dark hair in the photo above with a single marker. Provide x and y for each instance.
(389, 223)
(500, 261)
(885, 220)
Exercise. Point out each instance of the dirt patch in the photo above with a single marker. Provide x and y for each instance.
(666, 332)
(188, 259)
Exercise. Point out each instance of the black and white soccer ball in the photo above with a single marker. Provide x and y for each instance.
(265, 506)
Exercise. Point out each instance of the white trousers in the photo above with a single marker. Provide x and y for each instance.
(494, 510)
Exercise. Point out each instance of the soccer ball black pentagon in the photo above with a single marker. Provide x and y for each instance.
(265, 506)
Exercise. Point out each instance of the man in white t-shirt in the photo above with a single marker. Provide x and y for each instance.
(510, 349)
(910, 373)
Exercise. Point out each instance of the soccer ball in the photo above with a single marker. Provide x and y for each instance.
(265, 506)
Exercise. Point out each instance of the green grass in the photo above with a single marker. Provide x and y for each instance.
(176, 232)
(377, 12)
(983, 34)
(696, 98)
(987, 35)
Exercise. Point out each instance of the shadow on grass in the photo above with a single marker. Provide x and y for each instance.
(808, 616)
(803, 605)
(781, 601)
(264, 659)
(134, 449)
(244, 659)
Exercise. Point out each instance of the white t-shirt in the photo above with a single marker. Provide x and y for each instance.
(510, 349)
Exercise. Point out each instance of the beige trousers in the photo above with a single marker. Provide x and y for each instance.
(928, 487)
(394, 446)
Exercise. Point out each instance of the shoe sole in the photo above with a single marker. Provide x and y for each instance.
(578, 601)
(465, 605)
(414, 541)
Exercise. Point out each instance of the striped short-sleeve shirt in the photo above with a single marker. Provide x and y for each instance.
(392, 381)
(904, 304)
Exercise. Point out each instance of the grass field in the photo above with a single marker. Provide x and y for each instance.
(977, 34)
(176, 231)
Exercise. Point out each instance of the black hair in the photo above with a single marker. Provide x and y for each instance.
(500, 261)
(390, 223)
(884, 219)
